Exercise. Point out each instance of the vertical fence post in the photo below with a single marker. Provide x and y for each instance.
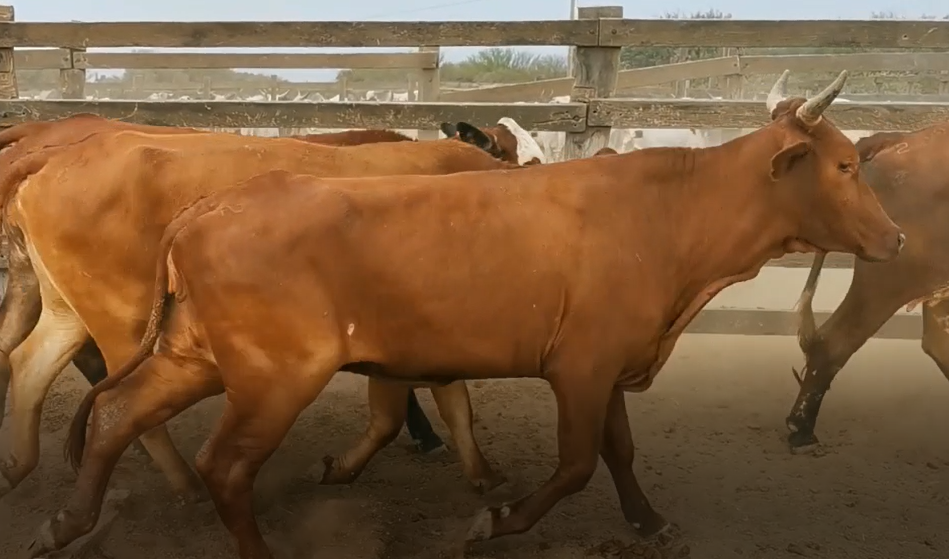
(429, 84)
(8, 89)
(595, 73)
(72, 74)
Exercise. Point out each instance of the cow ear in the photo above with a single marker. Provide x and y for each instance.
(787, 158)
(474, 136)
(448, 129)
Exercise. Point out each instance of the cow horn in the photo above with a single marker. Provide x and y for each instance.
(779, 92)
(810, 112)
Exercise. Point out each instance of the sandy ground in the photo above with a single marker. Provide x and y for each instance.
(711, 458)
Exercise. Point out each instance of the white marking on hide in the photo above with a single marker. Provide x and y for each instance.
(351, 329)
(527, 147)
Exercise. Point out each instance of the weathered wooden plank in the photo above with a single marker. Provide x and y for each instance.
(694, 113)
(299, 34)
(540, 90)
(8, 85)
(41, 59)
(595, 71)
(766, 322)
(833, 260)
(72, 80)
(239, 114)
(758, 33)
(218, 60)
(665, 73)
(858, 62)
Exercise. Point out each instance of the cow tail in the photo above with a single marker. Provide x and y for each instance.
(807, 325)
(164, 288)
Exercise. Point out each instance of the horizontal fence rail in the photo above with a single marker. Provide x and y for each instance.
(607, 32)
(556, 117)
(42, 59)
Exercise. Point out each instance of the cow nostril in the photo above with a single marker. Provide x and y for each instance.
(900, 240)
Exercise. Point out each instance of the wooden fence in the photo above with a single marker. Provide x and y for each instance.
(587, 119)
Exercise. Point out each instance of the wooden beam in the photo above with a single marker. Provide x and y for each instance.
(429, 86)
(240, 114)
(766, 322)
(595, 72)
(42, 59)
(905, 34)
(216, 60)
(72, 80)
(8, 85)
(541, 90)
(858, 62)
(665, 73)
(377, 34)
(693, 113)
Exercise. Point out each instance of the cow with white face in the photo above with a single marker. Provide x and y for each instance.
(507, 141)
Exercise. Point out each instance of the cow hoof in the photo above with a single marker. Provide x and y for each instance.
(482, 528)
(334, 474)
(5, 485)
(431, 446)
(44, 543)
(488, 483)
(655, 528)
(801, 441)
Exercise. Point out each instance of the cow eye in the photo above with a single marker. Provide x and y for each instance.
(844, 167)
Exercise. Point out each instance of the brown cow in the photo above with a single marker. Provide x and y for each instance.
(607, 151)
(20, 309)
(606, 260)
(907, 171)
(91, 233)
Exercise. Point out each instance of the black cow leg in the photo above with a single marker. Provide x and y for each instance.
(91, 364)
(420, 428)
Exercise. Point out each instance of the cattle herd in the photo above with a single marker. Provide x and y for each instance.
(171, 265)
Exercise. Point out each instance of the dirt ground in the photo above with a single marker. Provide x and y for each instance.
(711, 457)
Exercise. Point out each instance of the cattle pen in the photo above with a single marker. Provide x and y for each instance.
(741, 382)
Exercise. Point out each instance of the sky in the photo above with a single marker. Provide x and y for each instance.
(444, 10)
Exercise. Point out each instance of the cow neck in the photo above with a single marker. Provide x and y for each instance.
(726, 224)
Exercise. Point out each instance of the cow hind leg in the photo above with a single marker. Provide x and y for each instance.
(19, 312)
(161, 388)
(420, 428)
(255, 420)
(36, 363)
(454, 406)
(935, 340)
(387, 409)
(581, 415)
(91, 364)
(618, 453)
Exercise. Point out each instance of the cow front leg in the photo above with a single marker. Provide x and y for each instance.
(865, 308)
(582, 401)
(420, 428)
